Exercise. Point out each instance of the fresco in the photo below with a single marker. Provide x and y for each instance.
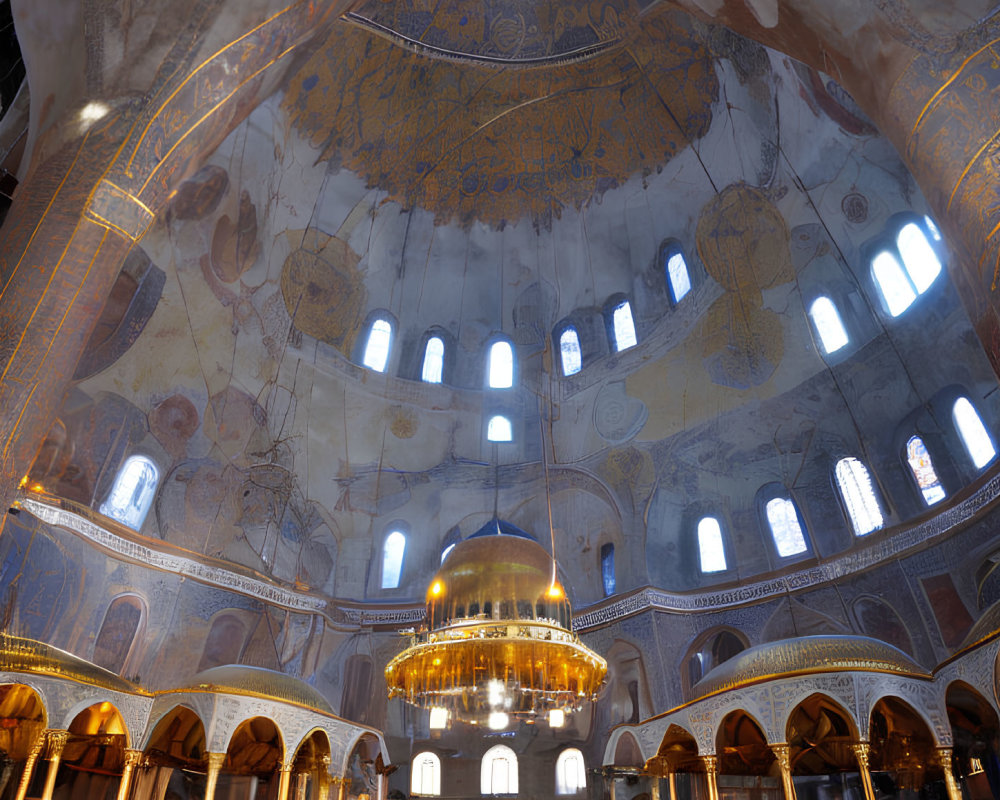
(498, 144)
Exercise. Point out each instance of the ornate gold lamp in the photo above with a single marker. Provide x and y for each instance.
(498, 644)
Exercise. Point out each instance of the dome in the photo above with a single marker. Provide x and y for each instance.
(497, 577)
(240, 679)
(18, 654)
(808, 654)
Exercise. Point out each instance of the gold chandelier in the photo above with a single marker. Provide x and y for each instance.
(498, 644)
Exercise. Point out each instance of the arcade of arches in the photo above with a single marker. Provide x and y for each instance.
(296, 296)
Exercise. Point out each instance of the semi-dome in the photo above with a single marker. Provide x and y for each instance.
(260, 682)
(805, 655)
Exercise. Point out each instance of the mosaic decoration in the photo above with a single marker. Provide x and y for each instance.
(496, 144)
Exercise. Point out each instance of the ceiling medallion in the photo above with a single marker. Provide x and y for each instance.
(499, 645)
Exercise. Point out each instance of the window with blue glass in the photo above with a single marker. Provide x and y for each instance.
(608, 568)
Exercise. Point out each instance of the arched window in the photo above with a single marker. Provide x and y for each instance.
(376, 355)
(132, 493)
(499, 771)
(569, 351)
(500, 366)
(974, 436)
(786, 530)
(425, 777)
(678, 277)
(499, 429)
(856, 489)
(900, 280)
(433, 368)
(923, 471)
(225, 642)
(829, 327)
(392, 559)
(608, 568)
(571, 773)
(622, 327)
(711, 551)
(114, 640)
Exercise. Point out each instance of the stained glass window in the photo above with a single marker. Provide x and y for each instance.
(923, 471)
(608, 568)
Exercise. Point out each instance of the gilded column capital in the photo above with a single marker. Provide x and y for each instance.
(56, 740)
(861, 751)
(215, 761)
(944, 755)
(37, 744)
(711, 763)
(286, 766)
(133, 758)
(783, 753)
(325, 762)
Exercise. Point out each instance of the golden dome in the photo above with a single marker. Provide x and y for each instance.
(259, 682)
(497, 577)
(804, 655)
(18, 654)
(984, 627)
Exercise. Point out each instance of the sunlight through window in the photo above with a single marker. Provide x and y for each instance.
(499, 429)
(974, 436)
(677, 276)
(501, 365)
(433, 369)
(856, 489)
(786, 531)
(392, 559)
(377, 347)
(624, 328)
(569, 350)
(829, 327)
(710, 547)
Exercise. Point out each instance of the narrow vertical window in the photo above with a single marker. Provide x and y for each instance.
(919, 258)
(608, 568)
(973, 433)
(499, 429)
(500, 368)
(710, 548)
(132, 493)
(829, 327)
(623, 327)
(425, 779)
(392, 559)
(569, 351)
(923, 471)
(856, 489)
(377, 347)
(571, 773)
(499, 771)
(892, 283)
(783, 519)
(678, 277)
(433, 369)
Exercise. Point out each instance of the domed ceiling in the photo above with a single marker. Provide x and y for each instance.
(498, 170)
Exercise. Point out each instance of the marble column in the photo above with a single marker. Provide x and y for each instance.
(215, 761)
(672, 784)
(944, 759)
(57, 741)
(29, 765)
(861, 751)
(711, 763)
(284, 779)
(132, 759)
(783, 753)
(323, 779)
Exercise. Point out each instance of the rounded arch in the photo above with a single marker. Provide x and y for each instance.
(627, 693)
(975, 727)
(120, 632)
(23, 705)
(311, 764)
(678, 751)
(902, 744)
(425, 774)
(97, 715)
(820, 732)
(628, 753)
(741, 745)
(255, 747)
(571, 771)
(709, 649)
(226, 638)
(498, 772)
(178, 739)
(925, 715)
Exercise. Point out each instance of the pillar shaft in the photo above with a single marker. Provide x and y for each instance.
(132, 759)
(944, 759)
(672, 784)
(29, 766)
(861, 752)
(57, 741)
(215, 761)
(711, 763)
(783, 753)
(284, 779)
